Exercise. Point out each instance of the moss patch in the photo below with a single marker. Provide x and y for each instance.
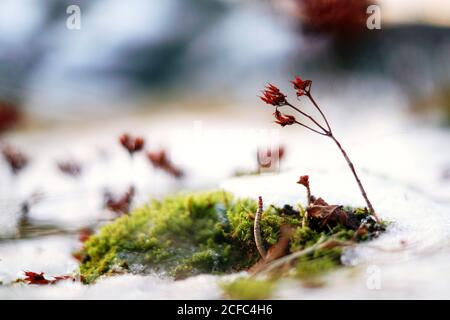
(248, 289)
(211, 232)
(180, 236)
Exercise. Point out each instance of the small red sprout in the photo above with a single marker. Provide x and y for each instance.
(160, 160)
(304, 180)
(15, 158)
(273, 96)
(122, 204)
(131, 144)
(70, 168)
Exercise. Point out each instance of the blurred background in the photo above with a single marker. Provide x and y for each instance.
(147, 52)
(186, 75)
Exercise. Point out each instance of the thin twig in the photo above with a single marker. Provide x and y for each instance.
(307, 127)
(361, 188)
(257, 230)
(320, 110)
(307, 115)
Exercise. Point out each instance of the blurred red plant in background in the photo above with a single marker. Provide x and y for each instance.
(338, 17)
(160, 160)
(15, 158)
(9, 116)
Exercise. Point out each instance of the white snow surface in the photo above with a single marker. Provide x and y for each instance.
(400, 162)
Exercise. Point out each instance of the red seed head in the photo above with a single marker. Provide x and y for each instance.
(304, 180)
(284, 119)
(272, 95)
(131, 144)
(301, 86)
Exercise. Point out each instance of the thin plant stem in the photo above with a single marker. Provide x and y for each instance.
(307, 127)
(306, 115)
(329, 133)
(352, 168)
(320, 110)
(257, 230)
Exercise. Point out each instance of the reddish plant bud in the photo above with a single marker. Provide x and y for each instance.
(284, 119)
(301, 86)
(272, 95)
(304, 180)
(132, 144)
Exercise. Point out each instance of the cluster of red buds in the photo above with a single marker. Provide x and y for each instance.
(273, 96)
(131, 144)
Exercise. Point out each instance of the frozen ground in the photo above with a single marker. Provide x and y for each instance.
(402, 164)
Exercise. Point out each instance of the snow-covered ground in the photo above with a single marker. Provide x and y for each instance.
(400, 160)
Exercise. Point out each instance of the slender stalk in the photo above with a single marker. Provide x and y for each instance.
(307, 115)
(308, 195)
(352, 168)
(257, 230)
(320, 110)
(273, 96)
(329, 133)
(308, 127)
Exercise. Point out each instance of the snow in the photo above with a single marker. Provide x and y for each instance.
(400, 162)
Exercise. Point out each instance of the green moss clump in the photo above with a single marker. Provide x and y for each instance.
(310, 269)
(210, 232)
(248, 289)
(182, 235)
